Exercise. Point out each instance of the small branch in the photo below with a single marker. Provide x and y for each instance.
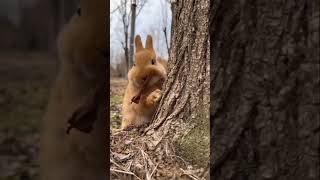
(116, 164)
(113, 11)
(141, 7)
(154, 170)
(125, 172)
(166, 38)
(185, 163)
(190, 174)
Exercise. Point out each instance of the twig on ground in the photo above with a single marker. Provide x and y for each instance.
(185, 163)
(190, 174)
(112, 161)
(130, 165)
(125, 172)
(167, 153)
(154, 170)
(145, 165)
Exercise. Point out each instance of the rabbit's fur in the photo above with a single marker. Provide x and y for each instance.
(78, 155)
(146, 65)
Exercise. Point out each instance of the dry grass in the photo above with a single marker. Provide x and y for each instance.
(117, 88)
(131, 158)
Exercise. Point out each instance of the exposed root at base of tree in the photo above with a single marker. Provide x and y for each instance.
(132, 158)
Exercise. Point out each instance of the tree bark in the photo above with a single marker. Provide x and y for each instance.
(185, 102)
(265, 89)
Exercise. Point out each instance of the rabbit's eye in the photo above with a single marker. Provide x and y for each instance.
(134, 64)
(79, 11)
(153, 61)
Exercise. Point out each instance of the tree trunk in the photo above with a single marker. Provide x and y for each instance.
(185, 102)
(265, 89)
(132, 32)
(126, 50)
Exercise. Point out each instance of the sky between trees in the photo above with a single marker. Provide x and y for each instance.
(155, 15)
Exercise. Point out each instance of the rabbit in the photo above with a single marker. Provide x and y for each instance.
(78, 155)
(148, 72)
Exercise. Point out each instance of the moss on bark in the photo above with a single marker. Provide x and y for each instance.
(195, 146)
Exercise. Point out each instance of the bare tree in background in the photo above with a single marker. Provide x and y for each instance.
(164, 14)
(132, 30)
(125, 15)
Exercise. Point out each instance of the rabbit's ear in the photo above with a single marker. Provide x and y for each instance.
(149, 44)
(138, 43)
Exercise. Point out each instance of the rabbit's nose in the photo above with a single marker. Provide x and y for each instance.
(144, 78)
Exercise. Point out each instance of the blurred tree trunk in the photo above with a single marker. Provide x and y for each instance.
(125, 47)
(41, 22)
(66, 10)
(265, 89)
(184, 108)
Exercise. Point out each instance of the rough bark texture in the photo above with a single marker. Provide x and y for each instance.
(185, 102)
(265, 89)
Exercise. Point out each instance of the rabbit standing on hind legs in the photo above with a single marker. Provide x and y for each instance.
(77, 95)
(144, 88)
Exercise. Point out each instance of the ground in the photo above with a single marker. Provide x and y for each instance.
(117, 89)
(129, 156)
(26, 80)
(24, 88)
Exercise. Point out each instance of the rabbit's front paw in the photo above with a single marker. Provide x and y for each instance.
(154, 97)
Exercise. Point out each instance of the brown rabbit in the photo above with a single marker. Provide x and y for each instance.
(78, 155)
(145, 78)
